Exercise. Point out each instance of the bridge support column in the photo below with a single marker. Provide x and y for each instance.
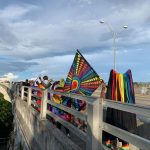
(17, 89)
(29, 96)
(101, 123)
(43, 105)
(93, 121)
(22, 92)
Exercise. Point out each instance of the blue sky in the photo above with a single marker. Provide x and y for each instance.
(41, 37)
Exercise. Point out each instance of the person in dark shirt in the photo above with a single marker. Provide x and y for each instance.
(26, 83)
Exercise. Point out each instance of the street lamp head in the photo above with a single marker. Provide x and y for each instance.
(101, 21)
(125, 27)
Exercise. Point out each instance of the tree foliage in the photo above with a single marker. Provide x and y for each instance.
(6, 116)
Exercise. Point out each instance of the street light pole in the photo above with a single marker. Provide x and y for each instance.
(114, 36)
(114, 45)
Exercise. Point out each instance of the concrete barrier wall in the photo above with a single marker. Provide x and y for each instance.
(4, 91)
(40, 134)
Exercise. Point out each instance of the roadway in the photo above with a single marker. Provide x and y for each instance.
(142, 99)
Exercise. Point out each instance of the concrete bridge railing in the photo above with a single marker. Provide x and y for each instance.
(93, 117)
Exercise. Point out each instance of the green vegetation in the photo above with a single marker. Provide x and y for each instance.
(6, 116)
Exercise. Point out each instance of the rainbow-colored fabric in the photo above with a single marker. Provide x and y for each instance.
(120, 88)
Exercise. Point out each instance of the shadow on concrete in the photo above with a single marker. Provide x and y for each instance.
(48, 137)
(143, 130)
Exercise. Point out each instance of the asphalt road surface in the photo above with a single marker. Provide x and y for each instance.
(142, 99)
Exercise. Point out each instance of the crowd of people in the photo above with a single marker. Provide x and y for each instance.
(46, 83)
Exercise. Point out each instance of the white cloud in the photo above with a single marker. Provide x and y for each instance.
(34, 78)
(38, 39)
(82, 2)
(15, 11)
(10, 76)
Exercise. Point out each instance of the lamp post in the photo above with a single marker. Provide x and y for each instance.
(114, 36)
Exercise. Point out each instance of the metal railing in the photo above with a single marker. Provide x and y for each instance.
(93, 116)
